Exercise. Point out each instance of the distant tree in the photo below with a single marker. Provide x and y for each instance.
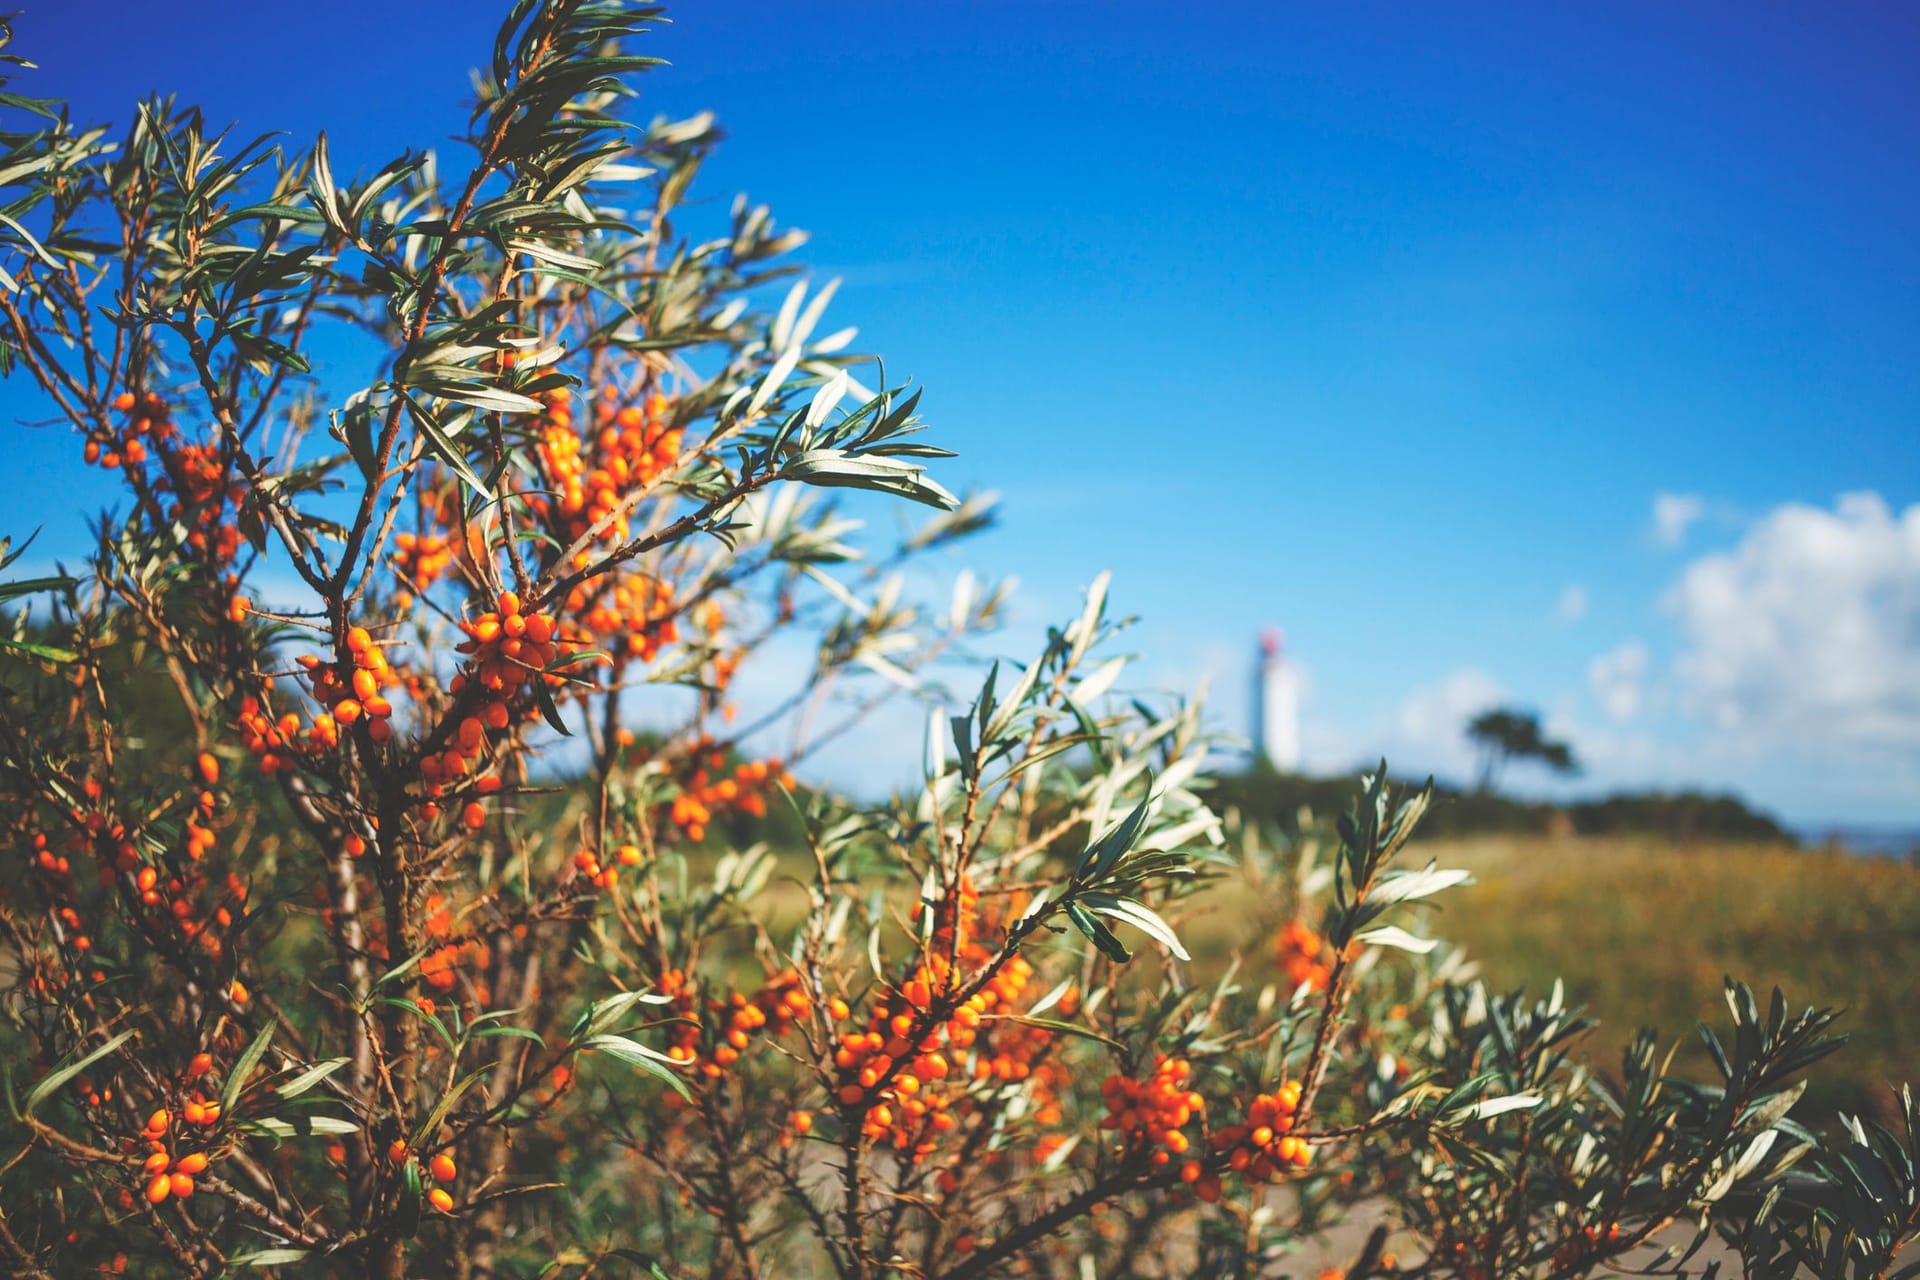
(1508, 733)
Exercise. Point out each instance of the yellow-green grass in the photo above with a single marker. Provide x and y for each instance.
(1643, 932)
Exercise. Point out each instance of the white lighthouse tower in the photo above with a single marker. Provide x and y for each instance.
(1276, 705)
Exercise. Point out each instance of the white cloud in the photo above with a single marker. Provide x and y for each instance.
(1617, 679)
(1425, 732)
(1674, 514)
(1807, 633)
(1573, 604)
(1429, 729)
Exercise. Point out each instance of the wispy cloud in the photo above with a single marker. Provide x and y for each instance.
(1674, 514)
(1617, 680)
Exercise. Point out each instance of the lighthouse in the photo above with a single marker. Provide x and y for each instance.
(1276, 706)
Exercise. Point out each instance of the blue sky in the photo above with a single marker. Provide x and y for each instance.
(1386, 324)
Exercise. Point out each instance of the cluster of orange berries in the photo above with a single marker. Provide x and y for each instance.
(57, 871)
(683, 1033)
(169, 1173)
(356, 697)
(146, 420)
(507, 648)
(203, 923)
(590, 474)
(441, 967)
(440, 769)
(117, 855)
(1302, 955)
(740, 789)
(196, 471)
(423, 558)
(441, 1167)
(735, 1021)
(603, 875)
(200, 837)
(906, 1076)
(634, 614)
(1264, 1147)
(172, 1177)
(1151, 1114)
(203, 484)
(273, 741)
(887, 1065)
(773, 1010)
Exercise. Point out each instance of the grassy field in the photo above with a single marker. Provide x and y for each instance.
(1643, 932)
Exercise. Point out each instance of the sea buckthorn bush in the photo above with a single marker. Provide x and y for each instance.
(399, 884)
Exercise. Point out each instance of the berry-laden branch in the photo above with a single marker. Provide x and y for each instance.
(405, 869)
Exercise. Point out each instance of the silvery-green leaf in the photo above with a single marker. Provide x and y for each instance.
(54, 1079)
(1490, 1107)
(1395, 936)
(1140, 917)
(772, 383)
(312, 1076)
(1410, 886)
(1099, 682)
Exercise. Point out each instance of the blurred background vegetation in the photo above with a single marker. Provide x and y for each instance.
(1642, 903)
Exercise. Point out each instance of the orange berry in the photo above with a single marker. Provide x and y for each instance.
(397, 1152)
(191, 1164)
(209, 768)
(440, 1200)
(159, 1189)
(474, 816)
(443, 1168)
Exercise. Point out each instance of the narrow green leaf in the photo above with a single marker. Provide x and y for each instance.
(243, 1067)
(56, 1078)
